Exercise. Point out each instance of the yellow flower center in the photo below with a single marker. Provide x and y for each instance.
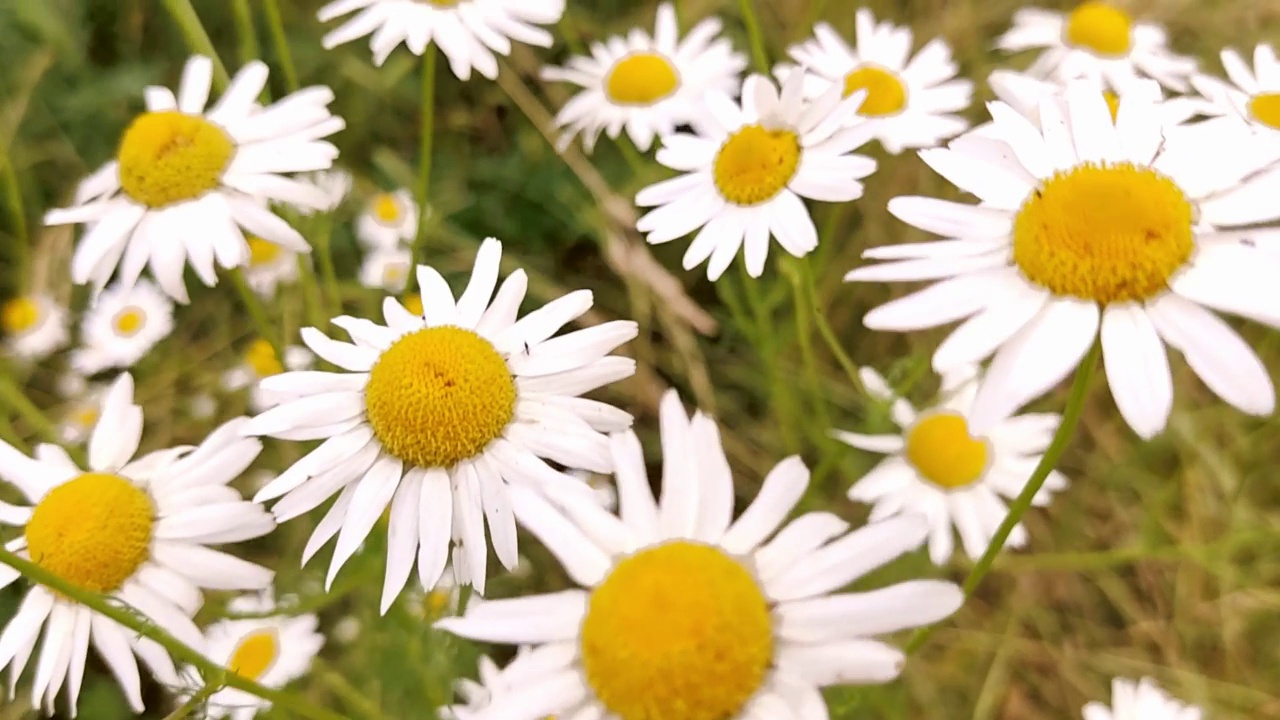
(1107, 233)
(886, 95)
(680, 630)
(1113, 103)
(1265, 108)
(19, 315)
(394, 273)
(436, 603)
(168, 157)
(386, 209)
(129, 321)
(262, 252)
(755, 164)
(438, 396)
(255, 654)
(262, 359)
(641, 78)
(1099, 27)
(941, 449)
(441, 3)
(94, 530)
(85, 416)
(413, 303)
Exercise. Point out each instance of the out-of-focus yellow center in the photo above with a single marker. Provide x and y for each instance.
(641, 78)
(413, 303)
(1100, 28)
(886, 94)
(129, 321)
(1265, 108)
(20, 315)
(395, 273)
(262, 359)
(386, 209)
(255, 654)
(941, 449)
(755, 164)
(169, 157)
(262, 252)
(85, 416)
(1113, 103)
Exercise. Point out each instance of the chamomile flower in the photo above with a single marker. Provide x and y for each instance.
(1253, 93)
(1141, 700)
(334, 183)
(1024, 93)
(937, 468)
(82, 413)
(440, 415)
(490, 684)
(269, 265)
(35, 326)
(431, 605)
(470, 33)
(389, 219)
(185, 182)
(646, 84)
(1096, 39)
(135, 529)
(122, 327)
(260, 361)
(1090, 225)
(911, 101)
(756, 636)
(386, 268)
(748, 169)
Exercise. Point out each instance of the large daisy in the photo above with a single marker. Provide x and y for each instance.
(1140, 700)
(35, 326)
(122, 326)
(186, 184)
(1089, 225)
(748, 169)
(439, 415)
(1252, 93)
(136, 530)
(685, 612)
(646, 84)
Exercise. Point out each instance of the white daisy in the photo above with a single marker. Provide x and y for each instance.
(468, 32)
(335, 184)
(136, 530)
(386, 269)
(491, 684)
(1252, 94)
(346, 630)
(747, 170)
(185, 183)
(1142, 700)
(1097, 39)
(35, 326)
(688, 613)
(260, 361)
(645, 84)
(82, 413)
(122, 327)
(911, 101)
(440, 415)
(388, 220)
(602, 489)
(431, 605)
(1024, 93)
(202, 406)
(269, 265)
(1089, 225)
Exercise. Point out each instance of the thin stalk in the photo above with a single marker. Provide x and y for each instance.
(275, 24)
(257, 312)
(197, 39)
(424, 160)
(755, 36)
(12, 396)
(804, 333)
(323, 252)
(825, 330)
(17, 212)
(194, 702)
(247, 37)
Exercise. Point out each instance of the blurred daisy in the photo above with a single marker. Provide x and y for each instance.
(746, 172)
(468, 32)
(911, 102)
(648, 85)
(1024, 93)
(602, 489)
(1142, 700)
(756, 636)
(386, 269)
(440, 415)
(122, 327)
(136, 530)
(184, 183)
(389, 219)
(334, 183)
(439, 601)
(202, 406)
(1097, 39)
(346, 630)
(1253, 93)
(269, 265)
(937, 468)
(35, 326)
(260, 361)
(81, 414)
(491, 684)
(1050, 257)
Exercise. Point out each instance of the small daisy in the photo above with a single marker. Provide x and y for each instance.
(439, 601)
(386, 269)
(911, 102)
(1253, 94)
(184, 183)
(260, 361)
(346, 630)
(122, 327)
(758, 633)
(468, 32)
(1097, 39)
(35, 326)
(335, 184)
(1141, 700)
(269, 265)
(440, 416)
(82, 412)
(135, 530)
(647, 85)
(746, 172)
(388, 220)
(491, 684)
(1024, 93)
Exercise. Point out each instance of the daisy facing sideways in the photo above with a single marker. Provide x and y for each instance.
(35, 326)
(260, 361)
(1089, 228)
(1141, 700)
(269, 265)
(386, 268)
(1252, 93)
(1024, 93)
(439, 416)
(187, 184)
(758, 633)
(122, 326)
(137, 530)
(747, 172)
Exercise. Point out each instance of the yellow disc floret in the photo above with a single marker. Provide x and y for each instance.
(680, 630)
(262, 252)
(1107, 233)
(169, 157)
(1100, 28)
(438, 396)
(94, 530)
(755, 164)
(386, 209)
(255, 654)
(19, 315)
(641, 78)
(129, 321)
(886, 95)
(941, 449)
(262, 359)
(1265, 108)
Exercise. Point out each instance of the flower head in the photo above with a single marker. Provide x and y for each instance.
(1141, 700)
(388, 220)
(387, 268)
(34, 325)
(259, 360)
(1252, 93)
(122, 326)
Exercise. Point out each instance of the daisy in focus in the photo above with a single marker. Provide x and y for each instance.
(1051, 259)
(749, 168)
(1141, 700)
(260, 361)
(187, 185)
(470, 33)
(269, 265)
(35, 326)
(386, 268)
(756, 637)
(1097, 40)
(646, 84)
(388, 220)
(137, 530)
(122, 326)
(440, 416)
(911, 101)
(1252, 93)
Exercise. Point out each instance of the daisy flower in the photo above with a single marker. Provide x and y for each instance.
(491, 683)
(431, 605)
(646, 84)
(937, 468)
(1097, 39)
(269, 265)
(82, 413)
(440, 415)
(747, 170)
(1141, 700)
(35, 326)
(1024, 93)
(334, 183)
(135, 530)
(260, 361)
(911, 101)
(468, 32)
(185, 181)
(389, 219)
(1084, 226)
(122, 327)
(1253, 93)
(386, 269)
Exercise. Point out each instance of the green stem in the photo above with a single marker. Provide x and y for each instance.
(194, 702)
(804, 333)
(197, 39)
(18, 214)
(13, 396)
(258, 312)
(323, 252)
(424, 161)
(759, 56)
(245, 33)
(281, 44)
(825, 330)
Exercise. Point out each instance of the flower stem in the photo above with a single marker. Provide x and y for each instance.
(17, 214)
(245, 33)
(424, 161)
(194, 702)
(257, 311)
(825, 330)
(281, 44)
(12, 396)
(759, 56)
(197, 39)
(804, 334)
